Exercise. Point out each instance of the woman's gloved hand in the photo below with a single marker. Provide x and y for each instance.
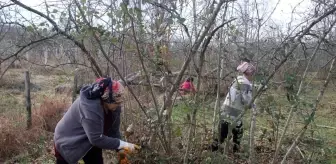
(128, 147)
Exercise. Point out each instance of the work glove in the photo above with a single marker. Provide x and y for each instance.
(128, 147)
(125, 149)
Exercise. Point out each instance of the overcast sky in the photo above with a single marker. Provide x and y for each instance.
(282, 13)
(285, 8)
(281, 16)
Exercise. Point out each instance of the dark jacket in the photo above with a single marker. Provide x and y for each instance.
(82, 127)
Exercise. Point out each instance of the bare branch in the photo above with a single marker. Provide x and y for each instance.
(3, 73)
(27, 45)
(312, 114)
(97, 69)
(173, 12)
(4, 6)
(299, 91)
(107, 58)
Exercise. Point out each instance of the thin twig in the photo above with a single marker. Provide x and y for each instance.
(107, 58)
(97, 69)
(312, 114)
(324, 126)
(294, 106)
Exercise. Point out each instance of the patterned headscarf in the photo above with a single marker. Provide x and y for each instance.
(107, 89)
(246, 68)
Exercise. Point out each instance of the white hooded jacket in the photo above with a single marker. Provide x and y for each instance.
(239, 95)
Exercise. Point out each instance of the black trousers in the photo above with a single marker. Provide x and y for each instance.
(223, 130)
(94, 156)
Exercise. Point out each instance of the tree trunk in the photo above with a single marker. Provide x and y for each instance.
(217, 103)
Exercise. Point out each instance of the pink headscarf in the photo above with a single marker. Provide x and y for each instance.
(246, 68)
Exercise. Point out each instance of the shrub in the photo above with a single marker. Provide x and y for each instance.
(14, 138)
(50, 112)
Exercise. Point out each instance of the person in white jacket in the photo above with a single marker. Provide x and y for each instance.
(239, 95)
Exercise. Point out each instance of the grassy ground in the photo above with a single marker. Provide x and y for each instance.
(319, 140)
(34, 145)
(318, 143)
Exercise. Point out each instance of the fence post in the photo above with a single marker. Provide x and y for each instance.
(74, 87)
(28, 101)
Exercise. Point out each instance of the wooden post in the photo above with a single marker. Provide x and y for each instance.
(28, 101)
(1, 66)
(74, 87)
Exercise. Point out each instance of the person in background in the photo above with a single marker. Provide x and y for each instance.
(239, 95)
(91, 124)
(187, 86)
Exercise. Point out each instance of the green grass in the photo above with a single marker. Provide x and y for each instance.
(322, 142)
(10, 103)
(182, 112)
(182, 109)
(325, 147)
